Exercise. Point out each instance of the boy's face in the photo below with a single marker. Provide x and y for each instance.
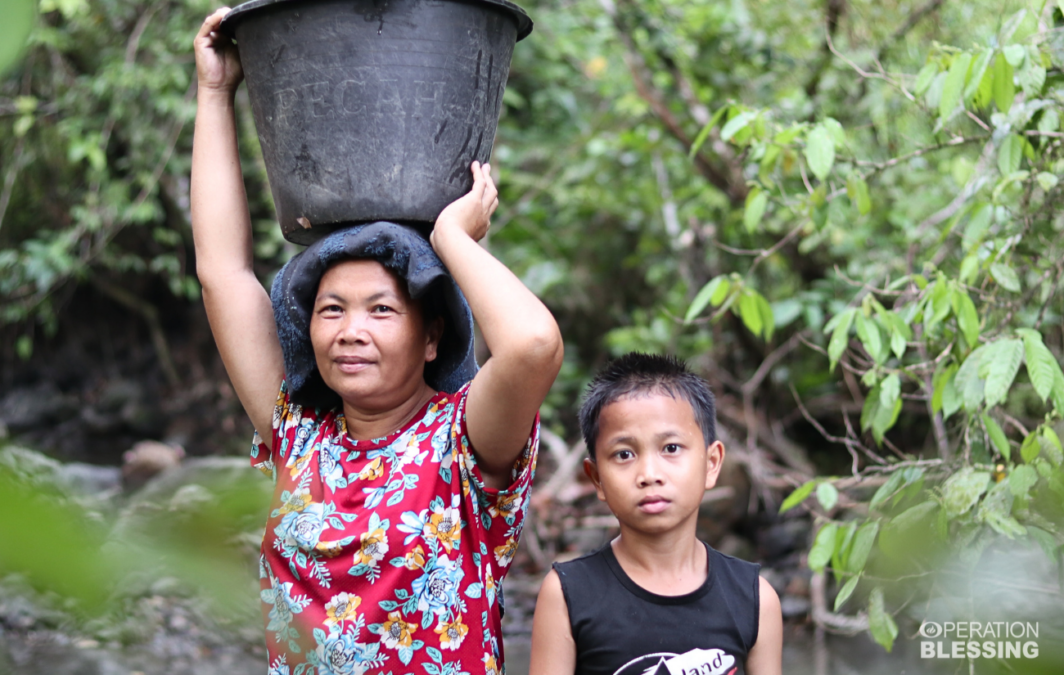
(651, 464)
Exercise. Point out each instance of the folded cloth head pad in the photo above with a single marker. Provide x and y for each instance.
(405, 252)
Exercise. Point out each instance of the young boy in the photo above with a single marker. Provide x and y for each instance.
(655, 600)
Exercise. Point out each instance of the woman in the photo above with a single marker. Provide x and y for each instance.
(401, 487)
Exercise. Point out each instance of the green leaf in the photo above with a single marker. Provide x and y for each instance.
(19, 19)
(749, 312)
(1001, 365)
(713, 292)
(1049, 121)
(768, 319)
(884, 419)
(954, 85)
(700, 139)
(967, 317)
(940, 300)
(1021, 479)
(1042, 367)
(756, 203)
(862, 547)
(1058, 393)
(881, 624)
(871, 338)
(736, 124)
(1005, 277)
(798, 496)
(820, 151)
(967, 381)
(840, 336)
(889, 390)
(823, 547)
(857, 191)
(1047, 181)
(1032, 77)
(1004, 90)
(975, 78)
(886, 490)
(962, 490)
(924, 78)
(1014, 54)
(1010, 154)
(943, 376)
(828, 495)
(997, 435)
(1051, 447)
(1046, 541)
(1031, 447)
(845, 592)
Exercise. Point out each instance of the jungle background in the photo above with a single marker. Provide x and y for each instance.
(844, 213)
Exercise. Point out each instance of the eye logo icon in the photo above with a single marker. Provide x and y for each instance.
(930, 629)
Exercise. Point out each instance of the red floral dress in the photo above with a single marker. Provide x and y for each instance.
(385, 556)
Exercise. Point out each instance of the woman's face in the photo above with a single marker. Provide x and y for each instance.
(370, 340)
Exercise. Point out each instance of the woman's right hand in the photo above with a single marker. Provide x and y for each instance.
(217, 61)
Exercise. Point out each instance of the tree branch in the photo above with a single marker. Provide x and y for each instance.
(637, 65)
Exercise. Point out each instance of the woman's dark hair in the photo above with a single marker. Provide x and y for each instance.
(637, 373)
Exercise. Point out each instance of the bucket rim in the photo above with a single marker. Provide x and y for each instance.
(524, 22)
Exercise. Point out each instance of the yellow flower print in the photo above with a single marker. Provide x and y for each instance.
(330, 549)
(342, 608)
(374, 548)
(373, 470)
(505, 553)
(414, 560)
(297, 501)
(300, 464)
(490, 667)
(506, 505)
(397, 633)
(446, 526)
(452, 634)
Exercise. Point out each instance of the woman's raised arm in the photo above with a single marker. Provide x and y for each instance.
(237, 305)
(524, 340)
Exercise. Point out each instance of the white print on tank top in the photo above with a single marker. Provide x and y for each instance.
(694, 662)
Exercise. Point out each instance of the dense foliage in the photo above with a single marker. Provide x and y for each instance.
(843, 212)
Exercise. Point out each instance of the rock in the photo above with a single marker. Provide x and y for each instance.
(89, 479)
(192, 498)
(29, 408)
(791, 606)
(147, 459)
(779, 539)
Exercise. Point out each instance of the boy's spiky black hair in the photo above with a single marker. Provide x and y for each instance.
(638, 373)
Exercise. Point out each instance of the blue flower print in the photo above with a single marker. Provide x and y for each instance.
(279, 667)
(437, 588)
(302, 529)
(285, 606)
(329, 466)
(343, 655)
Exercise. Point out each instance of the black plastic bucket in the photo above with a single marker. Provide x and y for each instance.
(373, 109)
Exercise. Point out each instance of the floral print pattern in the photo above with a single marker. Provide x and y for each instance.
(385, 556)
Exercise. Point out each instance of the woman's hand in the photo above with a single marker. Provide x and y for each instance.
(471, 213)
(217, 61)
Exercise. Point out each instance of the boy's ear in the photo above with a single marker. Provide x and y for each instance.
(714, 462)
(592, 472)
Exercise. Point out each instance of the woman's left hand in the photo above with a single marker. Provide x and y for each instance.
(472, 212)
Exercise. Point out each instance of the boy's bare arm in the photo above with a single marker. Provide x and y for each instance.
(237, 305)
(553, 648)
(520, 332)
(766, 657)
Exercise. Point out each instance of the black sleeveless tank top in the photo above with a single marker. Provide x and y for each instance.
(622, 629)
